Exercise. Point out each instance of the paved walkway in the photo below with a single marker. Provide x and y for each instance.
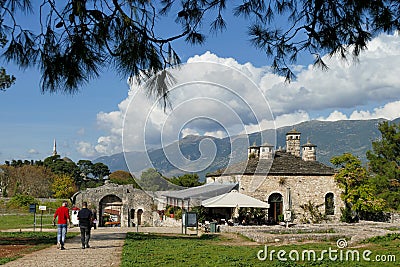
(106, 249)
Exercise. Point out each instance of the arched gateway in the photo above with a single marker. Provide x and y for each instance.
(118, 205)
(110, 210)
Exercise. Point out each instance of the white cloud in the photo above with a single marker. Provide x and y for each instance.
(108, 144)
(292, 118)
(188, 131)
(234, 98)
(344, 85)
(335, 116)
(33, 151)
(389, 111)
(86, 149)
(216, 134)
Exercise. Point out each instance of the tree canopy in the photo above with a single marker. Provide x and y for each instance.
(186, 180)
(71, 41)
(152, 180)
(358, 194)
(123, 177)
(27, 180)
(384, 163)
(63, 186)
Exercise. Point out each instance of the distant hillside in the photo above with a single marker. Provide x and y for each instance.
(331, 138)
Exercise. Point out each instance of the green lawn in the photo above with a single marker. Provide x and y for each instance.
(162, 250)
(209, 250)
(22, 221)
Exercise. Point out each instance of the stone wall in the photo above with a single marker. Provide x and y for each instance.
(302, 190)
(395, 218)
(131, 199)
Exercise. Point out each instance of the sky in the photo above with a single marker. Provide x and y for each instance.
(225, 88)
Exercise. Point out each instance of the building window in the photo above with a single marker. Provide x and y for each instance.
(329, 204)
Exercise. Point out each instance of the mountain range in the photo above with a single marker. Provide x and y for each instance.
(332, 138)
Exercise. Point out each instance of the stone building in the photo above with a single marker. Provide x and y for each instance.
(118, 205)
(285, 179)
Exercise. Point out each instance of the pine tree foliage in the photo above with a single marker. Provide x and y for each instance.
(384, 163)
(77, 39)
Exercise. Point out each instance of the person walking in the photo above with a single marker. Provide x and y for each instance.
(94, 223)
(85, 217)
(62, 213)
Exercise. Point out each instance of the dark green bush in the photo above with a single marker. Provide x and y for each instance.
(21, 201)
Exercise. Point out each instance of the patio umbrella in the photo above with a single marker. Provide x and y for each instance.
(234, 199)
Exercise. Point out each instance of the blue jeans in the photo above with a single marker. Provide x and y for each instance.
(61, 233)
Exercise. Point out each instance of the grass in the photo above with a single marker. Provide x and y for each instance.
(21, 221)
(179, 250)
(212, 250)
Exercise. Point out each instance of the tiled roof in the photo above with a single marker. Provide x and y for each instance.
(308, 144)
(293, 131)
(201, 192)
(282, 164)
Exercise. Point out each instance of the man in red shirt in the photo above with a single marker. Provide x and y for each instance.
(62, 223)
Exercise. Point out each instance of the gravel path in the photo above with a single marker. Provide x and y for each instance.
(106, 248)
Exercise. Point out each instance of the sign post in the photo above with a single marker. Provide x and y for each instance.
(42, 208)
(189, 219)
(32, 209)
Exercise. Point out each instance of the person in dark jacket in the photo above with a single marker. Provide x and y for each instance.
(85, 217)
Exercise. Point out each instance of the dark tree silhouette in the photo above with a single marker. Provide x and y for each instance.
(78, 38)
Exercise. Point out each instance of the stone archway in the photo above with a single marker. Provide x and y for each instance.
(275, 202)
(110, 211)
(139, 216)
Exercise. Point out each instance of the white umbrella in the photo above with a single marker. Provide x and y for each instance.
(234, 199)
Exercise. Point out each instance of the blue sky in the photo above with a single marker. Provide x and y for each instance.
(88, 124)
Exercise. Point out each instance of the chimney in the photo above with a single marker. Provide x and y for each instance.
(293, 142)
(309, 152)
(266, 151)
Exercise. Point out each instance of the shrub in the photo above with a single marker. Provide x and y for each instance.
(348, 215)
(312, 214)
(21, 201)
(201, 213)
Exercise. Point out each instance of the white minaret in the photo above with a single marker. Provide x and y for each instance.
(55, 148)
(293, 142)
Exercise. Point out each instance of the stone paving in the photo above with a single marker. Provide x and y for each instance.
(352, 233)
